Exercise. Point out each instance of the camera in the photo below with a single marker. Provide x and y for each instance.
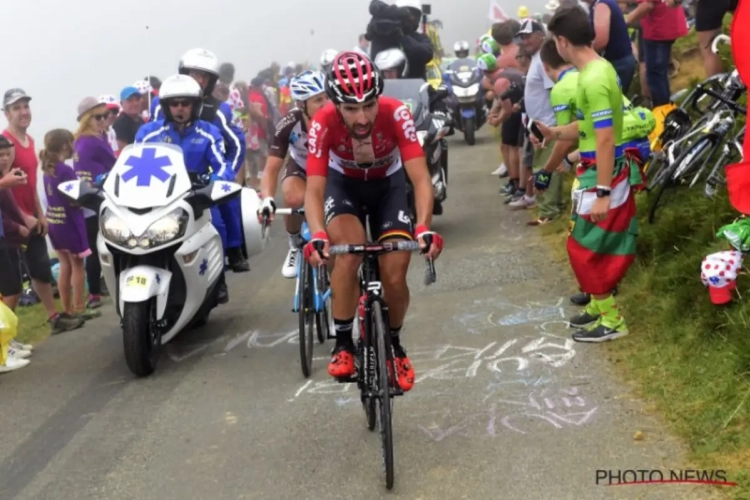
(426, 9)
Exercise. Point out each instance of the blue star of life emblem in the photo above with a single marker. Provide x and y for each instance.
(158, 279)
(147, 166)
(203, 267)
(68, 188)
(226, 188)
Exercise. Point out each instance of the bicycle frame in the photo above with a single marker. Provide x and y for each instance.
(319, 299)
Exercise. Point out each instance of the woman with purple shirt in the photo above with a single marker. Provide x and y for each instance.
(67, 232)
(92, 157)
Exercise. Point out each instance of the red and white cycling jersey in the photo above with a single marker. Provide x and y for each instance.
(394, 141)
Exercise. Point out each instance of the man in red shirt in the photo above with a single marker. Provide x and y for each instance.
(18, 114)
(257, 144)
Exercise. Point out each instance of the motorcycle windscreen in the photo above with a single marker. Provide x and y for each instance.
(255, 242)
(147, 176)
(412, 92)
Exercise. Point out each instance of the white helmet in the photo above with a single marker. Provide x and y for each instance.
(180, 86)
(327, 58)
(462, 46)
(306, 85)
(392, 59)
(201, 60)
(414, 4)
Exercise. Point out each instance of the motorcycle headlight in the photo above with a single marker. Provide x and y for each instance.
(421, 134)
(115, 230)
(170, 227)
(469, 91)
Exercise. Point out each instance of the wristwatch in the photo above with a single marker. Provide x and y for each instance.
(603, 192)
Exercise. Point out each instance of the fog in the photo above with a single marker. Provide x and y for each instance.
(60, 52)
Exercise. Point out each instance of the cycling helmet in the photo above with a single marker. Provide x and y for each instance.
(110, 101)
(201, 60)
(327, 58)
(181, 86)
(353, 79)
(461, 49)
(306, 85)
(487, 62)
(490, 46)
(676, 124)
(392, 59)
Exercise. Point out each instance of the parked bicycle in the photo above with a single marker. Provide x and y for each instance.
(376, 377)
(312, 304)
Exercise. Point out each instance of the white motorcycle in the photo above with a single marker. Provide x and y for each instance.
(159, 252)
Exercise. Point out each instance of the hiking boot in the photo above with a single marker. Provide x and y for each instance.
(342, 361)
(62, 322)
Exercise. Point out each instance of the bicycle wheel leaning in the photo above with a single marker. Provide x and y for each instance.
(306, 298)
(382, 349)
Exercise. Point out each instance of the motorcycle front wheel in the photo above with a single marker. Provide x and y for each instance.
(141, 341)
(469, 131)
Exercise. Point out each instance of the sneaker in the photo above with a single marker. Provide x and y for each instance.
(342, 362)
(64, 322)
(289, 269)
(601, 333)
(89, 314)
(523, 203)
(500, 170)
(404, 369)
(514, 197)
(582, 320)
(580, 299)
(94, 302)
(12, 363)
(18, 353)
(508, 189)
(19, 345)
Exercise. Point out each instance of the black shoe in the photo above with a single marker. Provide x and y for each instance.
(514, 197)
(600, 333)
(580, 299)
(222, 293)
(508, 189)
(583, 319)
(237, 261)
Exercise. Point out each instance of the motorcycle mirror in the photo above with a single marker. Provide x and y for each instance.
(83, 193)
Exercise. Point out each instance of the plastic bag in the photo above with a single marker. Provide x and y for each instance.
(8, 329)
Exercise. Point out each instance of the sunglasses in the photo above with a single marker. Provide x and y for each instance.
(100, 117)
(179, 104)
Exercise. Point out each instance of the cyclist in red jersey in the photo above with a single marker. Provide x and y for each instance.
(359, 146)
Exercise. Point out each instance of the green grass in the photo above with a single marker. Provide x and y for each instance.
(32, 324)
(686, 357)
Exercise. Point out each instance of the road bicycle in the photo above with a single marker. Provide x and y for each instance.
(376, 377)
(312, 305)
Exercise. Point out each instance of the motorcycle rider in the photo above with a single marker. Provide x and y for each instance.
(326, 59)
(308, 91)
(203, 66)
(461, 49)
(201, 142)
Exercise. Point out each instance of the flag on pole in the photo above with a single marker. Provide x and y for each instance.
(497, 14)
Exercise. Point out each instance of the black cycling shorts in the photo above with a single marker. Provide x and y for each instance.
(511, 131)
(709, 14)
(293, 169)
(11, 281)
(381, 201)
(37, 259)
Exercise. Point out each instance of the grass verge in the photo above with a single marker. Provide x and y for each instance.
(688, 358)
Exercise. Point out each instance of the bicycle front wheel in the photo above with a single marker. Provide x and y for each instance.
(384, 385)
(306, 314)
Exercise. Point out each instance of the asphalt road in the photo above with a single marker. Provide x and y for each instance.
(505, 405)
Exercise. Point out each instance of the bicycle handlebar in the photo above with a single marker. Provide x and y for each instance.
(716, 95)
(386, 247)
(290, 211)
(715, 43)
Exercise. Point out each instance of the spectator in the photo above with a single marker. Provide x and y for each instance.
(538, 108)
(612, 40)
(93, 157)
(67, 231)
(221, 91)
(11, 221)
(395, 26)
(661, 26)
(363, 45)
(113, 109)
(35, 255)
(523, 197)
(709, 17)
(226, 73)
(130, 120)
(258, 134)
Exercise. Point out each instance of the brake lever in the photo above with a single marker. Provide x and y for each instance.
(264, 226)
(430, 275)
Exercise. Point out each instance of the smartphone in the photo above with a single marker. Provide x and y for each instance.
(534, 129)
(426, 9)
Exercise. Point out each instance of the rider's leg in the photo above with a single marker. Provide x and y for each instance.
(231, 215)
(293, 194)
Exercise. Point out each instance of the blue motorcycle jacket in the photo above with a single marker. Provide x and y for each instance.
(201, 143)
(220, 115)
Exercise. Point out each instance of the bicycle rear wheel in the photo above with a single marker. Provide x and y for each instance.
(384, 384)
(306, 313)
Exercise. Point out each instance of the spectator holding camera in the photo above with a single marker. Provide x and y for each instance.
(395, 27)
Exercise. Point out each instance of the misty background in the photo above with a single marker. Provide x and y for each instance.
(60, 52)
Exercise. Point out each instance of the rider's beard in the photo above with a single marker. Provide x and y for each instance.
(360, 132)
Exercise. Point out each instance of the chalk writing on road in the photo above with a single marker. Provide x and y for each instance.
(488, 314)
(448, 362)
(550, 409)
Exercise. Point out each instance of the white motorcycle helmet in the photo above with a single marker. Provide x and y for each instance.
(201, 60)
(390, 60)
(412, 4)
(326, 59)
(461, 49)
(181, 87)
